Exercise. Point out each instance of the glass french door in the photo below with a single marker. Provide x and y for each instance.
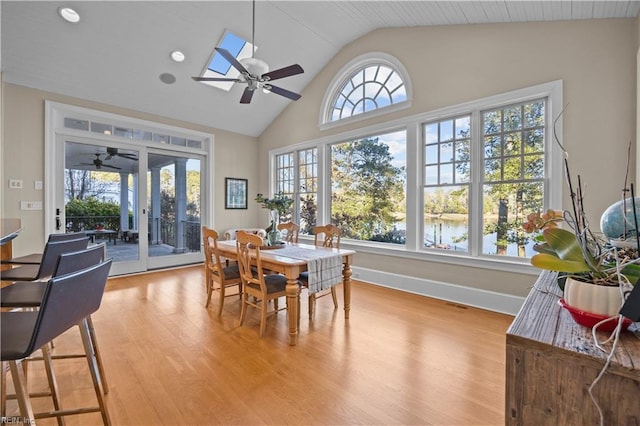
(100, 195)
(143, 203)
(174, 208)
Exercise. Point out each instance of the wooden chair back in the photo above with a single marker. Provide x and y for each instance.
(211, 256)
(217, 270)
(263, 288)
(327, 236)
(293, 230)
(248, 249)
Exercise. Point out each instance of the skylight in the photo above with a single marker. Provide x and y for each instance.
(218, 65)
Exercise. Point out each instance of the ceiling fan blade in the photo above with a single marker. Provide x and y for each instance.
(128, 156)
(246, 96)
(110, 167)
(283, 72)
(232, 60)
(284, 92)
(235, 80)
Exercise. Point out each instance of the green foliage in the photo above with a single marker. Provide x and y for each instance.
(563, 252)
(89, 213)
(367, 188)
(280, 203)
(308, 214)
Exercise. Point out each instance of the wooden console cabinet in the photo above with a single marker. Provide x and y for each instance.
(551, 362)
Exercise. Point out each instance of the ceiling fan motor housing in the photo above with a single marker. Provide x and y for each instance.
(256, 67)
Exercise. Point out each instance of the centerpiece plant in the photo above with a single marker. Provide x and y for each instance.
(278, 206)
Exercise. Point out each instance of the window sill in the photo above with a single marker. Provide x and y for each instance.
(508, 264)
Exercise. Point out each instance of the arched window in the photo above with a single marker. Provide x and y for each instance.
(370, 83)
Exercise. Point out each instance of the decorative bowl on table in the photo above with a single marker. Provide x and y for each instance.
(276, 245)
(589, 319)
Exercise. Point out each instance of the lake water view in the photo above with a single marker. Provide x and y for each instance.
(452, 235)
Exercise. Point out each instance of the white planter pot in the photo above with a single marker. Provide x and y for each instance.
(596, 299)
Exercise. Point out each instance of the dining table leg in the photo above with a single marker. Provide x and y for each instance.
(346, 284)
(293, 309)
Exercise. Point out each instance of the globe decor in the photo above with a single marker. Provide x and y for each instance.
(618, 222)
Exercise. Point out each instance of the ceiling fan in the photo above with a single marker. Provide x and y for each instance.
(99, 164)
(255, 72)
(113, 152)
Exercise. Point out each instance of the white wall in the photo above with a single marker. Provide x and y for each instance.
(23, 158)
(449, 65)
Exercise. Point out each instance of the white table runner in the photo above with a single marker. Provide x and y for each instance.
(324, 266)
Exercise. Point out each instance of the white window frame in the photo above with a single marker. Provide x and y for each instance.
(413, 249)
(346, 73)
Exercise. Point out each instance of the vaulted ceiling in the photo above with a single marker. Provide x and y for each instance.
(117, 52)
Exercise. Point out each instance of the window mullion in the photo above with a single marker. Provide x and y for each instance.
(414, 191)
(323, 214)
(475, 186)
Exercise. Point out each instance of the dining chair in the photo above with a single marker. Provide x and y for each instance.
(50, 256)
(218, 274)
(263, 288)
(29, 295)
(293, 230)
(323, 236)
(36, 258)
(68, 300)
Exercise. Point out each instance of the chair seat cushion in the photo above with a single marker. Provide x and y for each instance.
(275, 283)
(231, 272)
(21, 273)
(17, 329)
(30, 259)
(22, 294)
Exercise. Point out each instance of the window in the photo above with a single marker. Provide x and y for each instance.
(370, 88)
(510, 155)
(513, 175)
(455, 183)
(447, 174)
(368, 188)
(307, 188)
(305, 162)
(374, 83)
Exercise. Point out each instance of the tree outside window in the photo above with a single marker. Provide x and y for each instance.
(368, 188)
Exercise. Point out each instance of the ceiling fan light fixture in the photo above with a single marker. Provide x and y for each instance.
(69, 14)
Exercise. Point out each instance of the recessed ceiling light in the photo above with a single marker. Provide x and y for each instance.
(69, 14)
(177, 56)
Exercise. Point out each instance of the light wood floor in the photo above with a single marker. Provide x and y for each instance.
(399, 359)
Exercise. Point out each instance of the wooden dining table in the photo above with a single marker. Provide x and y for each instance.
(279, 260)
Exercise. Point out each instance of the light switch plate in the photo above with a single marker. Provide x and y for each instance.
(37, 184)
(30, 205)
(15, 184)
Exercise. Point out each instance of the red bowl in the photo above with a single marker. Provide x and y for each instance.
(589, 319)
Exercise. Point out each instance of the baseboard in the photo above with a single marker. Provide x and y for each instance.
(489, 300)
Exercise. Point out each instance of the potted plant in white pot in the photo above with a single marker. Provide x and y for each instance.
(592, 274)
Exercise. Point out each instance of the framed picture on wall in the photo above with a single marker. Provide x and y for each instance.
(235, 193)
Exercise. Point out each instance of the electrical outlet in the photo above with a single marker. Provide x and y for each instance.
(15, 184)
(37, 184)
